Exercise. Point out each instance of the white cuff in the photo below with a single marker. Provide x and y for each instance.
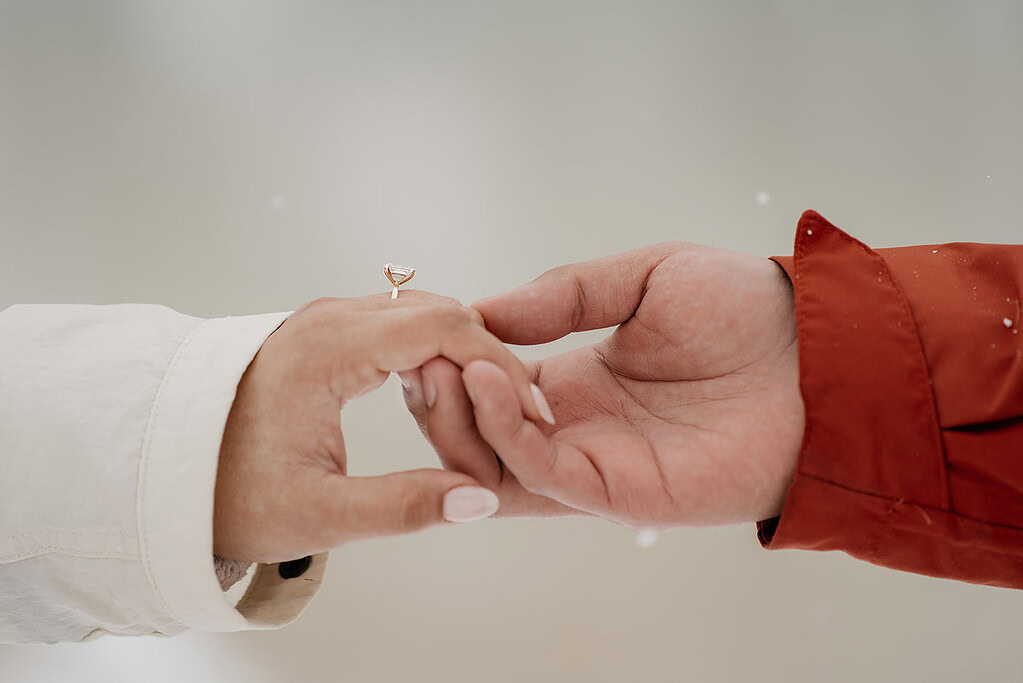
(177, 477)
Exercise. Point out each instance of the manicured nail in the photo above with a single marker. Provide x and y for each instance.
(429, 391)
(469, 503)
(542, 405)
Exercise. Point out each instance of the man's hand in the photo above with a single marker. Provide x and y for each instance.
(689, 413)
(281, 487)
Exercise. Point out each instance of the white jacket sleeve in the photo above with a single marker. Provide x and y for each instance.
(111, 419)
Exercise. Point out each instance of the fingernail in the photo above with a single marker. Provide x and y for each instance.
(469, 503)
(542, 405)
(429, 391)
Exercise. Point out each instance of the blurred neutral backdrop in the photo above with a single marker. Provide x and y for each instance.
(231, 157)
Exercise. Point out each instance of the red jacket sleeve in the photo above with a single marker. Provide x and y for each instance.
(912, 378)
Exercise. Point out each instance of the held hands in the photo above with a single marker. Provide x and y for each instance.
(689, 413)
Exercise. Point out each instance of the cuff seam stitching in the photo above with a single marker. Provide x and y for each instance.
(141, 518)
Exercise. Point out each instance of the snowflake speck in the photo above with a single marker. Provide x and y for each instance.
(646, 538)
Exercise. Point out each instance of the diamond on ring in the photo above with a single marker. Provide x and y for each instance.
(398, 275)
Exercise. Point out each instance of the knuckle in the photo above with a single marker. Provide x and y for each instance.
(557, 273)
(453, 316)
(579, 311)
(412, 510)
(536, 479)
(567, 278)
(533, 483)
(315, 304)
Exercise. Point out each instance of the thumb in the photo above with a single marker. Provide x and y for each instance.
(404, 502)
(573, 298)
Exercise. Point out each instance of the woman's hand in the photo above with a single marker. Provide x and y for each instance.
(282, 492)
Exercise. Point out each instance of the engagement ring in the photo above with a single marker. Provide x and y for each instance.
(398, 275)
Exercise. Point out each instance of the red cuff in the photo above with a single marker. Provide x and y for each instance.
(873, 477)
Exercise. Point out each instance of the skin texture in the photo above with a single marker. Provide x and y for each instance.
(281, 490)
(689, 413)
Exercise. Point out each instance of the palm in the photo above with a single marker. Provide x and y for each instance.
(689, 411)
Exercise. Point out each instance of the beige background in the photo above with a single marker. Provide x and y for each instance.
(239, 157)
